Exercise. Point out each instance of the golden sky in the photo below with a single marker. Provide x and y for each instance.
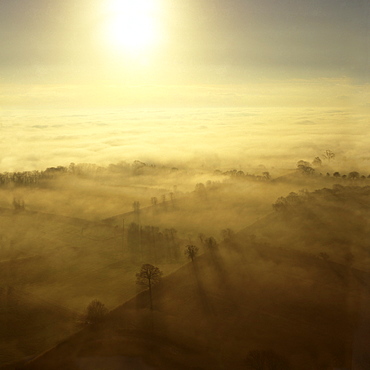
(156, 51)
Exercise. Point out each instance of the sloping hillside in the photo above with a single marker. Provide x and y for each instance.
(51, 267)
(29, 323)
(330, 221)
(208, 315)
(248, 295)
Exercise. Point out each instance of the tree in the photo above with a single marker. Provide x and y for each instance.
(317, 162)
(292, 201)
(336, 174)
(136, 207)
(354, 175)
(191, 251)
(329, 155)
(149, 276)
(200, 190)
(95, 313)
(154, 201)
(303, 163)
(227, 235)
(266, 175)
(305, 167)
(211, 244)
(280, 205)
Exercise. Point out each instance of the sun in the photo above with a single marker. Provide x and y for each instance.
(133, 25)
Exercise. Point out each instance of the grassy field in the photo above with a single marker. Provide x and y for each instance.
(210, 313)
(298, 273)
(59, 264)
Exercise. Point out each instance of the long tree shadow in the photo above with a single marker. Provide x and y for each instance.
(201, 290)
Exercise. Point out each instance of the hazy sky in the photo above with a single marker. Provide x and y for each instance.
(198, 42)
(265, 55)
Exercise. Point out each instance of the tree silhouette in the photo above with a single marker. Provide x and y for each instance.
(154, 201)
(227, 235)
(354, 175)
(329, 155)
(317, 162)
(136, 207)
(211, 244)
(305, 167)
(148, 276)
(266, 175)
(200, 190)
(191, 251)
(95, 313)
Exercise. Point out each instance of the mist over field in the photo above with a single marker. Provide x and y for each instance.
(263, 209)
(213, 138)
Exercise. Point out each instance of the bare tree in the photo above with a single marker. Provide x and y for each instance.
(191, 251)
(211, 244)
(148, 276)
(329, 155)
(266, 175)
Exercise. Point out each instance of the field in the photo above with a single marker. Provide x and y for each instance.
(298, 272)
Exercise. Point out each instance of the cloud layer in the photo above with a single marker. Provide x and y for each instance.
(210, 137)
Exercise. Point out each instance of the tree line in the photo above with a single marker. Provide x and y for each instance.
(241, 175)
(153, 243)
(36, 177)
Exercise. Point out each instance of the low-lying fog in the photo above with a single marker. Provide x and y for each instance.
(211, 138)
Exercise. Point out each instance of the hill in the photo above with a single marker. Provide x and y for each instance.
(257, 292)
(332, 223)
(51, 267)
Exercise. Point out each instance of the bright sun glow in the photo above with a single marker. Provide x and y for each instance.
(133, 25)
